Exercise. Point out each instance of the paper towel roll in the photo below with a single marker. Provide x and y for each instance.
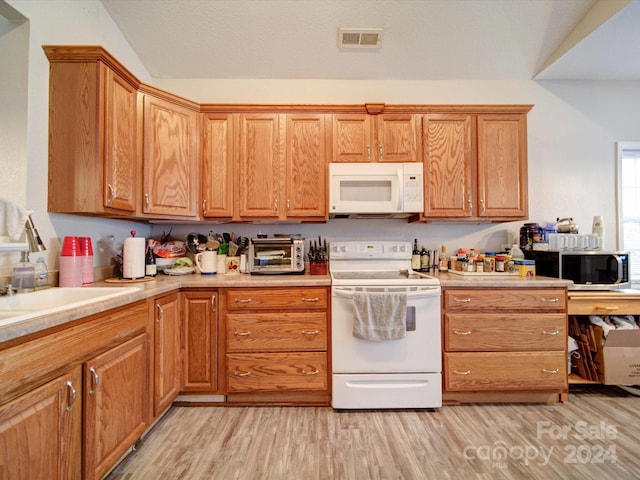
(133, 257)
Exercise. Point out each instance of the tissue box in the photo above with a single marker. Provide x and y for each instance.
(525, 268)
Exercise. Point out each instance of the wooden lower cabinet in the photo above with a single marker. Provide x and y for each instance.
(115, 394)
(276, 347)
(74, 400)
(41, 431)
(166, 352)
(504, 344)
(199, 328)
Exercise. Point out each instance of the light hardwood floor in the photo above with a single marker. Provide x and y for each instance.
(596, 435)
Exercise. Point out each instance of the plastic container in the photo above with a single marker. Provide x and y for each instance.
(41, 273)
(71, 263)
(23, 275)
(86, 252)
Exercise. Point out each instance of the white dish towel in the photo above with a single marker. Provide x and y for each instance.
(12, 219)
(379, 315)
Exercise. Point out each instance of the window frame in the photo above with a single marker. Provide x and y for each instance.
(620, 148)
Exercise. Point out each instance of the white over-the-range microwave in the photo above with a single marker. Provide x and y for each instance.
(370, 190)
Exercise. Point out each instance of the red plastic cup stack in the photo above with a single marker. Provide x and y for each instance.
(71, 263)
(86, 252)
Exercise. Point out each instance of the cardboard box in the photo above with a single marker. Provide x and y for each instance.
(525, 268)
(618, 360)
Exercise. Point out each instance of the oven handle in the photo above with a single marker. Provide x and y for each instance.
(424, 292)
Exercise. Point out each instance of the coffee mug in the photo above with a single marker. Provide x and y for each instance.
(207, 262)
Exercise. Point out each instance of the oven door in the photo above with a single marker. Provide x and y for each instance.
(419, 351)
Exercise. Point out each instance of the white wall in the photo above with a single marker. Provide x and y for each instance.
(63, 22)
(572, 132)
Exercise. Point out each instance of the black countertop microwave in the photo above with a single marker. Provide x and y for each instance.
(588, 270)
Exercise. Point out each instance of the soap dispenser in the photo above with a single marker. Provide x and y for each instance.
(23, 275)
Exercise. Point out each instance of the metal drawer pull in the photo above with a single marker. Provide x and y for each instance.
(555, 332)
(606, 308)
(242, 374)
(242, 300)
(457, 332)
(160, 313)
(461, 300)
(466, 372)
(241, 334)
(73, 395)
(550, 300)
(96, 381)
(544, 370)
(314, 299)
(310, 332)
(315, 372)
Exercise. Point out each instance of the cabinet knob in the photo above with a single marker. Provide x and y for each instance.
(112, 193)
(241, 374)
(147, 200)
(313, 372)
(160, 313)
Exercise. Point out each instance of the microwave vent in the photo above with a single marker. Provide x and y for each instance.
(359, 37)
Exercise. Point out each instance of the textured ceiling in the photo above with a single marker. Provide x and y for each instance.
(423, 39)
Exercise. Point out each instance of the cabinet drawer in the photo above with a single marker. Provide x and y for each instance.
(276, 372)
(272, 332)
(271, 298)
(604, 306)
(505, 371)
(539, 299)
(505, 332)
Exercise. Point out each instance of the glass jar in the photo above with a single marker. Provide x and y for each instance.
(530, 233)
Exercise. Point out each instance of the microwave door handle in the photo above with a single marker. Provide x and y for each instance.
(619, 262)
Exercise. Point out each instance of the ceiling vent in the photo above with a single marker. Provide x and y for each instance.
(359, 37)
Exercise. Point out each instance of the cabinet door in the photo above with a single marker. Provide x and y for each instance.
(166, 377)
(115, 393)
(170, 158)
(397, 138)
(217, 165)
(260, 165)
(306, 166)
(352, 138)
(502, 165)
(41, 431)
(200, 333)
(448, 165)
(120, 154)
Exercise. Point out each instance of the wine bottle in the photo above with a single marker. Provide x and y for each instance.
(150, 268)
(415, 256)
(424, 259)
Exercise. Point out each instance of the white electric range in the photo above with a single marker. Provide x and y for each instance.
(373, 374)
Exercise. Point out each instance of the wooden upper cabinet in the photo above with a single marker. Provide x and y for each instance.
(120, 155)
(170, 159)
(376, 138)
(93, 156)
(260, 166)
(306, 149)
(502, 165)
(448, 165)
(218, 150)
(282, 166)
(475, 166)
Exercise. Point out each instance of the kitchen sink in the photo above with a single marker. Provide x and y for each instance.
(23, 306)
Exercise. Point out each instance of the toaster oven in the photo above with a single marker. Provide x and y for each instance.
(277, 255)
